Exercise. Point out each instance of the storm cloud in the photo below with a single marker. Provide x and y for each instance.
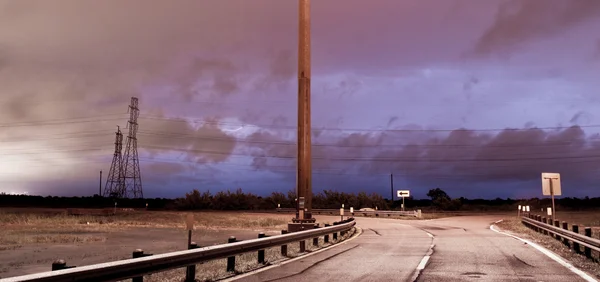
(217, 88)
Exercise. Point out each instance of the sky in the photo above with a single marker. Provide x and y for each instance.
(477, 98)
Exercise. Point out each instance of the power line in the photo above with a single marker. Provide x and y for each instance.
(291, 127)
(291, 143)
(56, 122)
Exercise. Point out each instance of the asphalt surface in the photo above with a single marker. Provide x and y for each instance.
(449, 249)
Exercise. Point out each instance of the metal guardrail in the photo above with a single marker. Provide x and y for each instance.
(562, 233)
(130, 268)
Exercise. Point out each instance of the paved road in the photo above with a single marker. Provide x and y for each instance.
(464, 249)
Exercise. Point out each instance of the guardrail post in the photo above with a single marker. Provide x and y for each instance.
(302, 246)
(316, 241)
(326, 237)
(565, 226)
(284, 247)
(545, 220)
(557, 224)
(261, 253)
(334, 236)
(59, 264)
(586, 250)
(190, 271)
(231, 260)
(576, 246)
(138, 253)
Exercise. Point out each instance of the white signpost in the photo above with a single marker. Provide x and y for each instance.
(403, 194)
(551, 187)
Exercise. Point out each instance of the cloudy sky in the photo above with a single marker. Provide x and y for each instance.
(475, 97)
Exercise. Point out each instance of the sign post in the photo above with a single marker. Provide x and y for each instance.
(403, 194)
(551, 187)
(189, 222)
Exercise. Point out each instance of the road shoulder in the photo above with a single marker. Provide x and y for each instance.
(586, 269)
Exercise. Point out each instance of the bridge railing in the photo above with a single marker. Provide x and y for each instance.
(145, 264)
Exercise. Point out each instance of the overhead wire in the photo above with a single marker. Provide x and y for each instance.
(293, 127)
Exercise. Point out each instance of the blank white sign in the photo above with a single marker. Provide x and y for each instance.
(555, 178)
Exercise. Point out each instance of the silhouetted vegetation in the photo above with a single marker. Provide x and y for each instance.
(328, 199)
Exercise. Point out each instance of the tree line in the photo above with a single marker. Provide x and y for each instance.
(438, 200)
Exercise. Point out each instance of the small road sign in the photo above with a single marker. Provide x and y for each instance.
(403, 193)
(189, 222)
(551, 184)
(551, 187)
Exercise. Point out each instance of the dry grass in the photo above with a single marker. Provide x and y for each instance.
(216, 269)
(514, 226)
(27, 226)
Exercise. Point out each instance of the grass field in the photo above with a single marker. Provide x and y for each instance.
(30, 226)
(588, 219)
(31, 239)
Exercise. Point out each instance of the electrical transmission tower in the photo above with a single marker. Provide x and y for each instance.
(114, 182)
(131, 176)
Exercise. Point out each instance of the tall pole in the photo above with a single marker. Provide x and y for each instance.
(304, 173)
(100, 187)
(392, 186)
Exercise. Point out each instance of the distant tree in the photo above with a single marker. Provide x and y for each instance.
(440, 199)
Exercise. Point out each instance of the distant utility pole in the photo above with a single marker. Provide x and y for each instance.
(100, 185)
(392, 186)
(304, 173)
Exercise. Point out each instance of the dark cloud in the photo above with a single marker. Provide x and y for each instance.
(519, 21)
(392, 121)
(581, 118)
(206, 143)
(172, 169)
(468, 158)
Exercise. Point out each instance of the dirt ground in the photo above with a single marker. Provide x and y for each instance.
(31, 240)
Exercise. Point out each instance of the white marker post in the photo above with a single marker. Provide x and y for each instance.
(551, 187)
(519, 211)
(527, 209)
(403, 194)
(549, 211)
(342, 213)
(352, 211)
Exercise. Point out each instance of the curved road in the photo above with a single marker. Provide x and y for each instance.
(449, 249)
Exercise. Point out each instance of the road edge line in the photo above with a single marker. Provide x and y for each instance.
(548, 253)
(237, 277)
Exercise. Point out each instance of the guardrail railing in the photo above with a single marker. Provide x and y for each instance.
(378, 213)
(144, 264)
(560, 231)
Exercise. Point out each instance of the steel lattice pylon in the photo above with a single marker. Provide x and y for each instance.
(131, 177)
(114, 182)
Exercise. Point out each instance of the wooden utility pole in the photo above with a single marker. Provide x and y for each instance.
(304, 174)
(100, 187)
(392, 187)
